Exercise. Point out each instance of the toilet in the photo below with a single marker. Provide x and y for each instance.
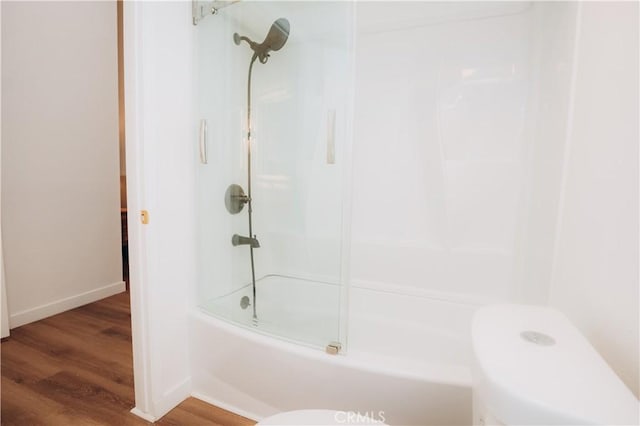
(319, 418)
(532, 366)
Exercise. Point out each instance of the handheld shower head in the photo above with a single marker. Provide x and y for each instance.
(276, 38)
(278, 35)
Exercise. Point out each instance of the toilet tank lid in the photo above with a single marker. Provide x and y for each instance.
(532, 365)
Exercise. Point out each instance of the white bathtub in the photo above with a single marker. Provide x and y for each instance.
(397, 370)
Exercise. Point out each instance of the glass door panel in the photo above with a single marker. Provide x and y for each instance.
(299, 109)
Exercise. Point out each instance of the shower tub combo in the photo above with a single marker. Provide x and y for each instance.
(345, 276)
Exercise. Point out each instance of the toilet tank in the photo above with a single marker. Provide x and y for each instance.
(532, 366)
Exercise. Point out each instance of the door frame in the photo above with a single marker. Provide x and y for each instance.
(134, 148)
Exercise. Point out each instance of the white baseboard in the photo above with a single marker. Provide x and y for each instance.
(172, 398)
(225, 406)
(143, 415)
(58, 306)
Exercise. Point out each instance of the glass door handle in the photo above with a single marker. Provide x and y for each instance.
(203, 141)
(331, 136)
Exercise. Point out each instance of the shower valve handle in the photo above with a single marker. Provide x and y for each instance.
(242, 198)
(235, 199)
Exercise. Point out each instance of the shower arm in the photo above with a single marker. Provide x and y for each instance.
(251, 43)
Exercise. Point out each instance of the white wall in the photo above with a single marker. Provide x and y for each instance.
(595, 280)
(60, 195)
(553, 42)
(440, 147)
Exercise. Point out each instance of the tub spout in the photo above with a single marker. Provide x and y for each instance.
(239, 240)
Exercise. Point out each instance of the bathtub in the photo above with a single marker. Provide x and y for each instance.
(398, 371)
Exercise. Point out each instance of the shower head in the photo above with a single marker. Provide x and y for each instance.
(278, 35)
(276, 38)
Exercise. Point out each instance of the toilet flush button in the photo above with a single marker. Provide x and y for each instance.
(538, 338)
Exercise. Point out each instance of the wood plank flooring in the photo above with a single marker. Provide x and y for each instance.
(76, 368)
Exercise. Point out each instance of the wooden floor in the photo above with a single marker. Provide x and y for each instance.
(76, 369)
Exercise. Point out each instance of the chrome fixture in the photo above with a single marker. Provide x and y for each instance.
(235, 199)
(333, 348)
(239, 240)
(274, 41)
(276, 38)
(202, 9)
(538, 338)
(245, 302)
(203, 141)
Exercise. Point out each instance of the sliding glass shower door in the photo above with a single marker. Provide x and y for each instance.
(273, 110)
